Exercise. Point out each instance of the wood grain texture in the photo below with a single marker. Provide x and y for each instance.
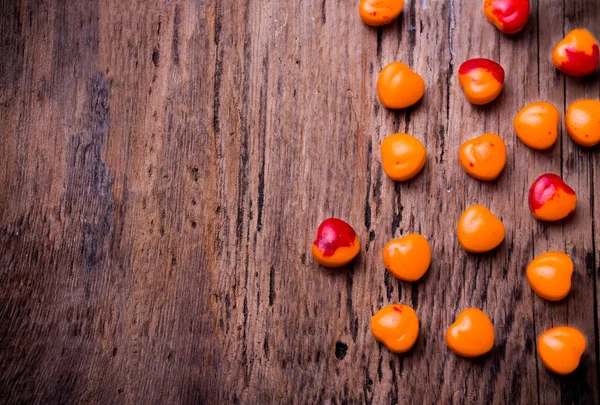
(164, 168)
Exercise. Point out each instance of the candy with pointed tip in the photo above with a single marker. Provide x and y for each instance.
(336, 243)
(550, 198)
(402, 156)
(549, 275)
(577, 54)
(481, 79)
(472, 334)
(379, 12)
(561, 348)
(407, 258)
(479, 230)
(483, 157)
(509, 16)
(396, 326)
(583, 122)
(398, 86)
(536, 125)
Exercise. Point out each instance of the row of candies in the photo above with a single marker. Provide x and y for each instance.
(479, 230)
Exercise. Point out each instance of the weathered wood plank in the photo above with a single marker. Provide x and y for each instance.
(165, 165)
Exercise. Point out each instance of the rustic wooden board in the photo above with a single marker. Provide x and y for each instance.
(165, 165)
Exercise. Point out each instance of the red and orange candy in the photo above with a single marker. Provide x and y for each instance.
(549, 275)
(379, 12)
(398, 86)
(536, 125)
(472, 334)
(402, 156)
(407, 258)
(481, 79)
(336, 243)
(576, 54)
(479, 230)
(550, 198)
(583, 122)
(483, 157)
(561, 349)
(396, 326)
(509, 16)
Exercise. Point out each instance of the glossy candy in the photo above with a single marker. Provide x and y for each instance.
(402, 156)
(479, 230)
(549, 275)
(471, 335)
(509, 16)
(481, 79)
(336, 243)
(576, 54)
(560, 349)
(396, 326)
(398, 86)
(536, 125)
(379, 12)
(483, 157)
(550, 199)
(407, 258)
(583, 122)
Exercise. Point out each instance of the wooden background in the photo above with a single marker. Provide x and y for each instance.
(164, 166)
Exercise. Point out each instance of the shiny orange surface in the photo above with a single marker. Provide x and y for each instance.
(560, 349)
(336, 243)
(583, 122)
(379, 12)
(479, 230)
(509, 16)
(577, 54)
(472, 334)
(483, 157)
(407, 258)
(549, 275)
(482, 80)
(550, 198)
(402, 156)
(396, 326)
(536, 125)
(398, 86)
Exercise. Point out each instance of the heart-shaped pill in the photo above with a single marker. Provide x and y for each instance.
(577, 54)
(398, 86)
(536, 125)
(479, 230)
(549, 275)
(509, 16)
(472, 334)
(482, 80)
(550, 198)
(483, 157)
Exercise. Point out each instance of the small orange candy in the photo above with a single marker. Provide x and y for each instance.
(561, 348)
(379, 12)
(509, 16)
(550, 198)
(396, 326)
(481, 79)
(472, 334)
(398, 86)
(583, 122)
(336, 243)
(549, 275)
(577, 54)
(479, 230)
(402, 156)
(483, 157)
(536, 125)
(407, 258)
